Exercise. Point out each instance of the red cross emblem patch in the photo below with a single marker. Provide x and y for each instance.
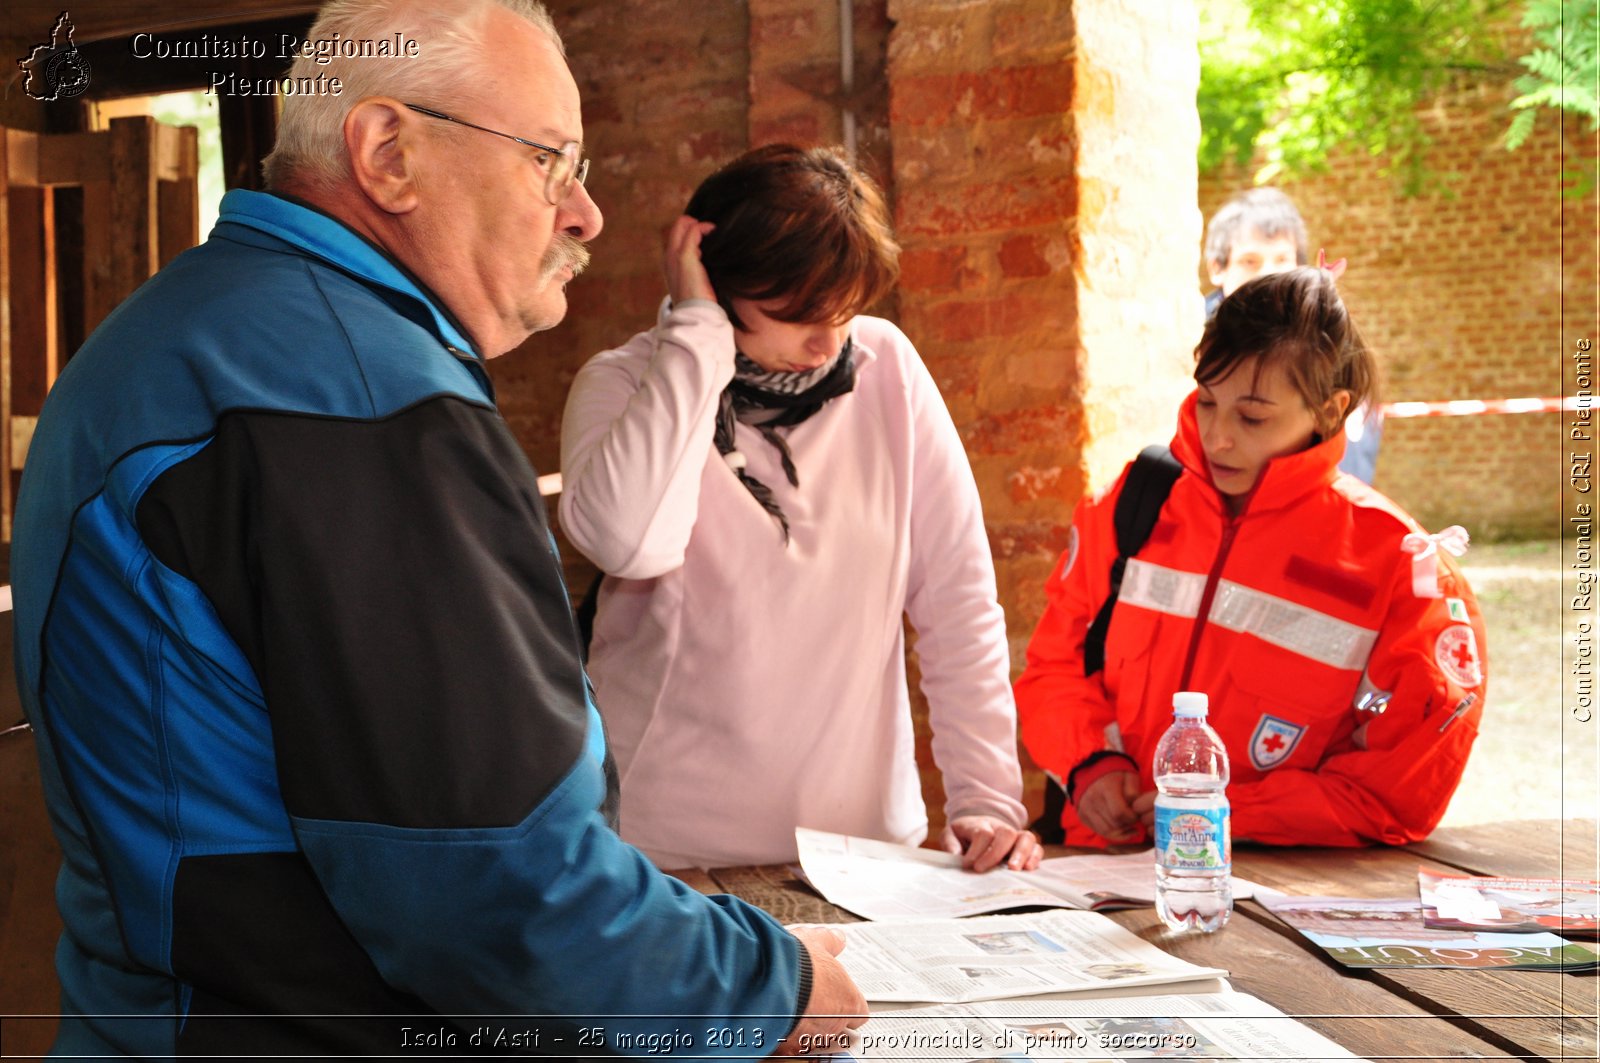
(1456, 652)
(1273, 741)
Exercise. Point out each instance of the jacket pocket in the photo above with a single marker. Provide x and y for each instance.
(1136, 649)
(1280, 712)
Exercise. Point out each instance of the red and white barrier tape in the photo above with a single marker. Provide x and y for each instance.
(550, 484)
(1471, 407)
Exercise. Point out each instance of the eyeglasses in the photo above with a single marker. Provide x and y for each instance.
(566, 163)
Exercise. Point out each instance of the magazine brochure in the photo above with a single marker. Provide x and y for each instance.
(883, 881)
(957, 961)
(1219, 1026)
(1390, 932)
(1509, 905)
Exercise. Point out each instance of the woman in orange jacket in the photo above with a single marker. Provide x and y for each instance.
(1340, 645)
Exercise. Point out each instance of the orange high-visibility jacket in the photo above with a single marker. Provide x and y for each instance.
(1320, 602)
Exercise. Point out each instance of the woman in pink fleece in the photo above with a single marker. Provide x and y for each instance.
(771, 482)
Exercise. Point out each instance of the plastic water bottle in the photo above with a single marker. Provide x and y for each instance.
(1194, 853)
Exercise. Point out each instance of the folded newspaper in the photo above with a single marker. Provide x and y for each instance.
(1390, 932)
(1219, 1026)
(1509, 905)
(957, 961)
(884, 881)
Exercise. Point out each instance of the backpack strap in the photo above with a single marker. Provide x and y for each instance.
(1144, 492)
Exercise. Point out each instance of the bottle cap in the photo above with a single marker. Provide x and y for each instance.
(1189, 703)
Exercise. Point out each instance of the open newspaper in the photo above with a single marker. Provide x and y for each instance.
(1390, 932)
(1218, 1026)
(884, 881)
(956, 961)
(1509, 905)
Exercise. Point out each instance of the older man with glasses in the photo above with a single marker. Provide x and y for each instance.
(315, 736)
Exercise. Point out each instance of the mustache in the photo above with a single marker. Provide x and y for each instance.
(564, 252)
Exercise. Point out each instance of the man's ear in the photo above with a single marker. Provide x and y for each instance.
(1214, 270)
(382, 148)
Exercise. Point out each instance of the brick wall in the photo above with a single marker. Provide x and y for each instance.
(1464, 293)
(655, 123)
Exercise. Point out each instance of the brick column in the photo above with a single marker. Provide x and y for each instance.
(1045, 180)
(1137, 133)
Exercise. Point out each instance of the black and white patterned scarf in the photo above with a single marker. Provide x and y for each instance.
(768, 401)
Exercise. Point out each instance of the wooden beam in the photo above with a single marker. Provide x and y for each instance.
(178, 198)
(137, 243)
(38, 159)
(5, 343)
(107, 19)
(118, 71)
(35, 354)
(177, 154)
(21, 149)
(98, 247)
(74, 158)
(249, 125)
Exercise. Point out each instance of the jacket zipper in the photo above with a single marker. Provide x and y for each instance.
(1212, 579)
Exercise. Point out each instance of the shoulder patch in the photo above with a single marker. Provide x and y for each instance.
(1456, 653)
(1273, 740)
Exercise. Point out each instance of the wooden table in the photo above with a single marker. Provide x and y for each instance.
(1377, 1013)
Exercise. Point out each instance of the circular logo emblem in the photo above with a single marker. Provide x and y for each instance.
(67, 74)
(1456, 651)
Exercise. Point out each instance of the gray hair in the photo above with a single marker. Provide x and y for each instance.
(451, 43)
(1267, 210)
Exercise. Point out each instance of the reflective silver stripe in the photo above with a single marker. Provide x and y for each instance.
(1166, 590)
(1292, 626)
(1113, 735)
(1283, 623)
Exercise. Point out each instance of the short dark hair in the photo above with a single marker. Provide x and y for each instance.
(1294, 319)
(801, 225)
(1267, 210)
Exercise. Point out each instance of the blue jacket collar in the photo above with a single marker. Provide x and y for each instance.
(323, 236)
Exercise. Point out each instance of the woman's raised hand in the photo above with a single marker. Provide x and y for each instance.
(686, 275)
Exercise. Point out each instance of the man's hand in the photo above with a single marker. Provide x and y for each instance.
(985, 842)
(1111, 806)
(686, 275)
(836, 1006)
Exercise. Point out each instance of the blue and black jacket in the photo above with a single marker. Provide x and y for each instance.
(315, 736)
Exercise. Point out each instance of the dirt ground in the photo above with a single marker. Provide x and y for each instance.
(1533, 760)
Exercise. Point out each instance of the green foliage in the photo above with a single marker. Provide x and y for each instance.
(1296, 79)
(1562, 72)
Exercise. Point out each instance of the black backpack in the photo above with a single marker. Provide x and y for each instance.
(1144, 492)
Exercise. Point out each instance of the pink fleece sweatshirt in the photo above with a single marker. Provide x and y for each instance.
(751, 687)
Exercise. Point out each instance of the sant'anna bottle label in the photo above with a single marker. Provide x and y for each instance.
(1193, 839)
